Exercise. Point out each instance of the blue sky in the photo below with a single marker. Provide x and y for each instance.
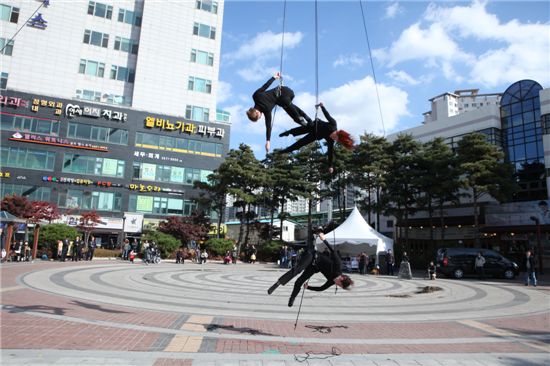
(420, 50)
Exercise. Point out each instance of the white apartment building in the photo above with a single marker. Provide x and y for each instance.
(156, 56)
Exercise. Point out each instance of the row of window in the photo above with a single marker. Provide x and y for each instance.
(207, 5)
(33, 193)
(95, 68)
(98, 133)
(97, 96)
(177, 144)
(6, 49)
(92, 165)
(200, 85)
(161, 205)
(90, 200)
(16, 157)
(106, 11)
(11, 122)
(168, 173)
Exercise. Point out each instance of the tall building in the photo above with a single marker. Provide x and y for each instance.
(518, 122)
(111, 105)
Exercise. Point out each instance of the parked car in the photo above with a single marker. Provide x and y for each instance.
(459, 262)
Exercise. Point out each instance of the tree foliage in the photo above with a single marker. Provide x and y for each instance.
(51, 233)
(17, 205)
(87, 223)
(167, 244)
(186, 228)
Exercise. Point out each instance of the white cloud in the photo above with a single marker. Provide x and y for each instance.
(517, 50)
(392, 10)
(352, 61)
(402, 77)
(264, 43)
(224, 91)
(260, 54)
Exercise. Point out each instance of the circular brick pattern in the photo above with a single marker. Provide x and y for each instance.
(241, 291)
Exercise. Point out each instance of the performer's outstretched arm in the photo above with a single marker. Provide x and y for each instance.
(321, 288)
(329, 118)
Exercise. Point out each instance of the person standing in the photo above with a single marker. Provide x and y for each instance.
(91, 249)
(363, 263)
(75, 251)
(59, 249)
(390, 262)
(65, 249)
(234, 254)
(530, 269)
(480, 266)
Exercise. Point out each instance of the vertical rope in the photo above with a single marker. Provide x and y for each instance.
(372, 67)
(280, 62)
(316, 57)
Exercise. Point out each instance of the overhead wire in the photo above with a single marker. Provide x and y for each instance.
(372, 67)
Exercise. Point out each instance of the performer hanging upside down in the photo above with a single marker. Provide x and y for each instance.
(320, 130)
(265, 100)
(311, 262)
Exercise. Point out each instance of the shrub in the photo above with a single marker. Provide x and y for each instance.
(270, 251)
(106, 253)
(217, 246)
(166, 242)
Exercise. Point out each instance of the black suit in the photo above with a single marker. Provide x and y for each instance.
(311, 262)
(265, 100)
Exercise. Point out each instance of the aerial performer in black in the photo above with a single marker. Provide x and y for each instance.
(311, 262)
(265, 100)
(320, 130)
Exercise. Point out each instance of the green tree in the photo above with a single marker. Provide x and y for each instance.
(214, 193)
(369, 165)
(245, 175)
(438, 181)
(342, 177)
(402, 180)
(41, 211)
(166, 242)
(484, 172)
(51, 233)
(217, 246)
(186, 228)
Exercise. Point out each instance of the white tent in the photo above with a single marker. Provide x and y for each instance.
(355, 235)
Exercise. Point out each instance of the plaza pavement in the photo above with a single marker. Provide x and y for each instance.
(117, 313)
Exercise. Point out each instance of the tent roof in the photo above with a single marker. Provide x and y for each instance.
(5, 216)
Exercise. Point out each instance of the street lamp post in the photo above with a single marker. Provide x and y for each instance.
(539, 242)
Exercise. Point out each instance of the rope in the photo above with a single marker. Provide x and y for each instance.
(22, 25)
(280, 63)
(372, 67)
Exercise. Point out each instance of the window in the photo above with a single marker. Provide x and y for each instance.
(7, 50)
(197, 113)
(204, 30)
(208, 5)
(92, 68)
(167, 173)
(3, 81)
(122, 73)
(126, 45)
(90, 200)
(200, 85)
(100, 10)
(129, 17)
(33, 193)
(27, 158)
(97, 133)
(202, 57)
(29, 124)
(96, 38)
(161, 205)
(9, 13)
(181, 145)
(222, 116)
(91, 165)
(94, 96)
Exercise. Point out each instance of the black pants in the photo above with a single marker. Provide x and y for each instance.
(306, 140)
(306, 265)
(285, 101)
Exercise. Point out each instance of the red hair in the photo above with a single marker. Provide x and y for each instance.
(345, 139)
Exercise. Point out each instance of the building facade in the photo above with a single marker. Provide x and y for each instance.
(517, 121)
(111, 106)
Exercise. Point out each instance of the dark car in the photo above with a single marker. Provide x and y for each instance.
(459, 262)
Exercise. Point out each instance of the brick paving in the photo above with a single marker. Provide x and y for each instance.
(32, 320)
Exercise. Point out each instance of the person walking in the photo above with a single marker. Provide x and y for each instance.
(390, 262)
(363, 258)
(480, 266)
(65, 249)
(91, 249)
(530, 269)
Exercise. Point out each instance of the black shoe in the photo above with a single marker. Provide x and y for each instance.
(272, 288)
(283, 134)
(290, 302)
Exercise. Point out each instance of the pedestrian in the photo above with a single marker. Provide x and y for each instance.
(126, 249)
(179, 256)
(204, 256)
(311, 262)
(431, 271)
(390, 262)
(234, 254)
(530, 268)
(75, 250)
(132, 255)
(480, 266)
(59, 249)
(253, 252)
(264, 102)
(363, 259)
(65, 249)
(26, 252)
(91, 249)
